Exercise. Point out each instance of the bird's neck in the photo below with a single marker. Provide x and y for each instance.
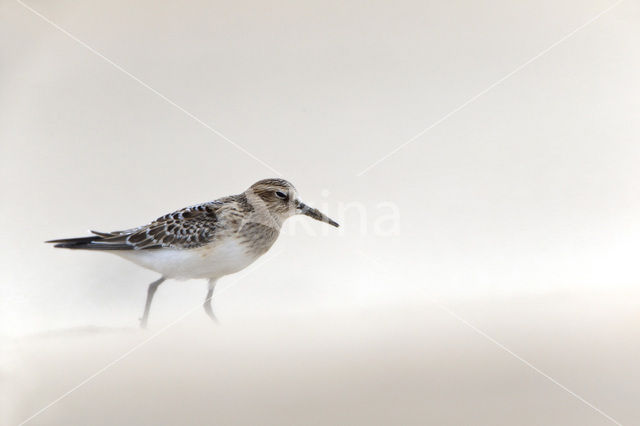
(261, 214)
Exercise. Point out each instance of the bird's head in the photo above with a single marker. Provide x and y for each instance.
(280, 198)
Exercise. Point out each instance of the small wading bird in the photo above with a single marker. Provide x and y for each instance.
(208, 240)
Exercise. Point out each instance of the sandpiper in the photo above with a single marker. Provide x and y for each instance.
(208, 240)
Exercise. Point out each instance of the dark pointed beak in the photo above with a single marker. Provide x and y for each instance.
(304, 209)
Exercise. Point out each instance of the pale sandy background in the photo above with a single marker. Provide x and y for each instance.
(519, 216)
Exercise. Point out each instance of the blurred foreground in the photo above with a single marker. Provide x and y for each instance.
(413, 364)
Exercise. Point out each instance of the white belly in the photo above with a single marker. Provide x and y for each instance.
(211, 261)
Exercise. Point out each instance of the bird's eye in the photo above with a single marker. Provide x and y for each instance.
(282, 195)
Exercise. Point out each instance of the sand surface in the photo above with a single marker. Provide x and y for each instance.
(410, 364)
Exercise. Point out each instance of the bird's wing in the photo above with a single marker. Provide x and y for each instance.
(189, 227)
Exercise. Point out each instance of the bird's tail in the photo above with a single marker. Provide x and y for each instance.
(75, 243)
(100, 241)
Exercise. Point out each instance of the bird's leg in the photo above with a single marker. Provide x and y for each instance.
(150, 292)
(207, 300)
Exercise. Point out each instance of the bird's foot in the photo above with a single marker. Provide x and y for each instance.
(143, 323)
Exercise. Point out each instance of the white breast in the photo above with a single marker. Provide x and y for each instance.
(211, 261)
